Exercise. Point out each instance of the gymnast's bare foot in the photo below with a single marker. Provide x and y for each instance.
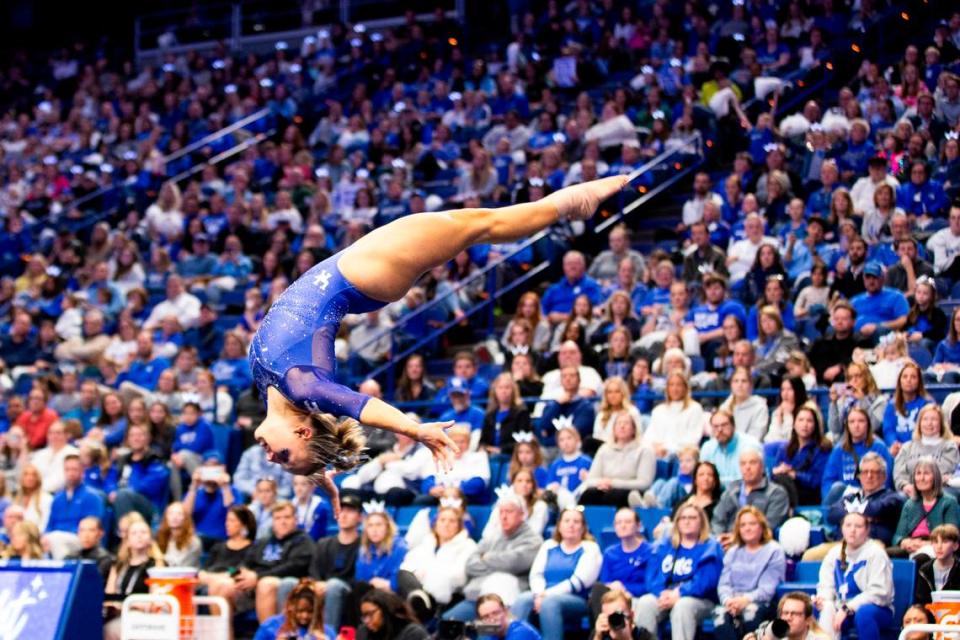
(580, 201)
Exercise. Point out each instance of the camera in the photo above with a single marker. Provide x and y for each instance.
(457, 629)
(211, 474)
(617, 621)
(776, 629)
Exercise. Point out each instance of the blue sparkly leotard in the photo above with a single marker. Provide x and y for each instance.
(293, 348)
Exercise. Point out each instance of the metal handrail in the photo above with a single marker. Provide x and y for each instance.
(692, 139)
(389, 366)
(216, 135)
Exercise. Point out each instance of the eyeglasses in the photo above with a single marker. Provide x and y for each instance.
(871, 472)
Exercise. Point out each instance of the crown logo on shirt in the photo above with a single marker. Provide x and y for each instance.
(451, 503)
(519, 349)
(952, 135)
(563, 422)
(857, 505)
(523, 436)
(374, 506)
(190, 396)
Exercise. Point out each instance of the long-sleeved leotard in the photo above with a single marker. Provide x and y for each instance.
(293, 348)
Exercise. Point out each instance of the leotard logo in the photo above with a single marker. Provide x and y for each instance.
(322, 280)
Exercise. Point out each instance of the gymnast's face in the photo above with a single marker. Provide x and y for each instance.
(285, 443)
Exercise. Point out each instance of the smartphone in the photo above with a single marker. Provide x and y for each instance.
(348, 633)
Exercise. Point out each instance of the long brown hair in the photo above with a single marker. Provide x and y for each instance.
(898, 400)
(817, 436)
(583, 521)
(516, 400)
(165, 533)
(515, 465)
(303, 591)
(848, 439)
(537, 313)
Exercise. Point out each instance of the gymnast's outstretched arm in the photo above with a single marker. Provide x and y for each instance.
(377, 413)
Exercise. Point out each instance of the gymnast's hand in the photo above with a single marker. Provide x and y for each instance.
(579, 202)
(444, 450)
(326, 483)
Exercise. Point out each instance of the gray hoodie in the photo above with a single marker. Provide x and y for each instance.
(502, 554)
(751, 416)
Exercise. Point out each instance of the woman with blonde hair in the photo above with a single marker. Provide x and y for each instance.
(24, 543)
(932, 439)
(749, 410)
(683, 576)
(164, 217)
(615, 400)
(859, 390)
(677, 421)
(618, 312)
(177, 538)
(622, 469)
(31, 496)
(753, 568)
(436, 568)
(138, 553)
(506, 414)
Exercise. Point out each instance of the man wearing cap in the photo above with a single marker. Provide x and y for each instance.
(209, 497)
(461, 411)
(879, 309)
(198, 264)
(503, 558)
(864, 188)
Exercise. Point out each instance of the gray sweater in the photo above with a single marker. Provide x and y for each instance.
(770, 498)
(630, 466)
(944, 452)
(498, 553)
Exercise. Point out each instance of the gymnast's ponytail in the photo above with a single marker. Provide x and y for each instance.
(338, 443)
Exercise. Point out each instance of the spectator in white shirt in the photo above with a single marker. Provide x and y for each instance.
(743, 253)
(179, 303)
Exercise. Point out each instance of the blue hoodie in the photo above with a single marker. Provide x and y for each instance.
(197, 438)
(567, 472)
(808, 463)
(381, 565)
(148, 477)
(842, 465)
(695, 572)
(898, 428)
(629, 568)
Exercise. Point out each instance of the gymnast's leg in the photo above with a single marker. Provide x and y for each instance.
(385, 263)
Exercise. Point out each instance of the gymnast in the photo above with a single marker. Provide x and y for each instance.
(312, 426)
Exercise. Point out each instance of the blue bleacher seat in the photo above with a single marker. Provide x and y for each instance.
(480, 514)
(404, 517)
(599, 519)
(650, 517)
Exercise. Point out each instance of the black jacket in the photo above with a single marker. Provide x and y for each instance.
(286, 558)
(517, 419)
(926, 584)
(331, 559)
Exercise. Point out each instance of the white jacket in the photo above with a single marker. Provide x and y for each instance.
(441, 570)
(672, 426)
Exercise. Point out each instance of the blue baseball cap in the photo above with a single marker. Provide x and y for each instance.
(874, 269)
(458, 385)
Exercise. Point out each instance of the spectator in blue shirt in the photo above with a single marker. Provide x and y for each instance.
(71, 505)
(461, 411)
(625, 562)
(569, 408)
(87, 412)
(879, 309)
(231, 270)
(210, 496)
(859, 149)
(232, 368)
(464, 368)
(192, 439)
(145, 370)
(198, 264)
(141, 478)
(558, 299)
(921, 196)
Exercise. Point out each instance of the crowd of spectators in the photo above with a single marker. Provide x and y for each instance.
(770, 354)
